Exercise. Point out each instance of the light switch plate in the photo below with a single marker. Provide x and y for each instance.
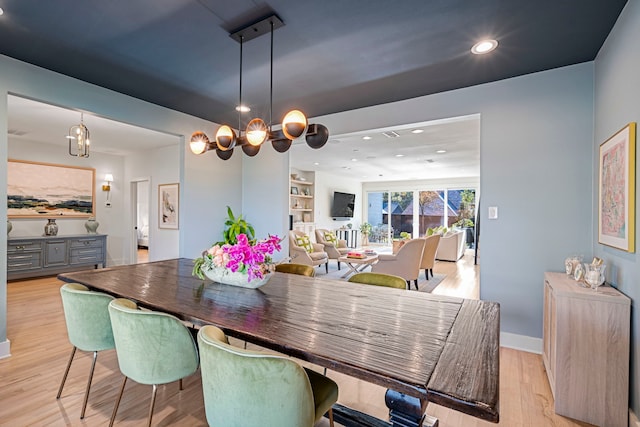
(493, 212)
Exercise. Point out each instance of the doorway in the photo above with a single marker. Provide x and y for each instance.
(140, 200)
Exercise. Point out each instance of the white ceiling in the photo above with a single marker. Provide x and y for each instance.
(409, 156)
(349, 156)
(45, 123)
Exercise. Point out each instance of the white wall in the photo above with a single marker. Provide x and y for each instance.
(617, 90)
(109, 218)
(325, 185)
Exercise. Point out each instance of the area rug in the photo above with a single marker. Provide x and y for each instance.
(423, 285)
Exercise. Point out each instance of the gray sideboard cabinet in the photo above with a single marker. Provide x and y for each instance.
(49, 255)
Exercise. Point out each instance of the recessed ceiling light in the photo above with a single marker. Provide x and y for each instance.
(366, 138)
(417, 131)
(441, 151)
(316, 163)
(354, 160)
(243, 108)
(484, 46)
(399, 155)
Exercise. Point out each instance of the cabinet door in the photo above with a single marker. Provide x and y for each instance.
(55, 253)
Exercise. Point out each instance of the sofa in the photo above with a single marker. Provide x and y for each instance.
(452, 245)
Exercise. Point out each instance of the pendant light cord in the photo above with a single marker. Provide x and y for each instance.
(271, 82)
(240, 95)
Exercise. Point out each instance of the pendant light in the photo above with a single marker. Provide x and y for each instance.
(79, 140)
(257, 132)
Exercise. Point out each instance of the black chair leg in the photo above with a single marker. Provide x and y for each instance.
(415, 282)
(326, 266)
(426, 274)
(431, 271)
(338, 265)
(409, 284)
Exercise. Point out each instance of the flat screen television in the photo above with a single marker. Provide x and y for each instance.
(343, 205)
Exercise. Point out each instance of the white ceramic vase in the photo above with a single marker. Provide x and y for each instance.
(228, 277)
(91, 225)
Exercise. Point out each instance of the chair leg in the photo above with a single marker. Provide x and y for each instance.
(409, 284)
(338, 265)
(415, 282)
(326, 266)
(66, 372)
(330, 417)
(153, 402)
(431, 271)
(426, 273)
(115, 408)
(86, 393)
(181, 387)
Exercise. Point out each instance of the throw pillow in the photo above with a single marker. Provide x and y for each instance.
(304, 242)
(329, 237)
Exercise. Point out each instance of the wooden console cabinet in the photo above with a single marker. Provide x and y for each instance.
(586, 350)
(49, 255)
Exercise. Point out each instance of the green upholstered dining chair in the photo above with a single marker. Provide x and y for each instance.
(379, 279)
(244, 388)
(88, 327)
(152, 347)
(292, 268)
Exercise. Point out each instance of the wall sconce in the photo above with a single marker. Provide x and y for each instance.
(107, 187)
(109, 179)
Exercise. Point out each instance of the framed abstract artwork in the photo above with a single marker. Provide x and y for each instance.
(168, 206)
(616, 190)
(47, 190)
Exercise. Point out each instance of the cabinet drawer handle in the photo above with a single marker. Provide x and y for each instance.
(88, 251)
(86, 257)
(19, 248)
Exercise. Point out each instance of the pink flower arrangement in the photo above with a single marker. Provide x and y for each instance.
(252, 259)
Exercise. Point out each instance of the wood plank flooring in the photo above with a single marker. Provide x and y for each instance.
(29, 379)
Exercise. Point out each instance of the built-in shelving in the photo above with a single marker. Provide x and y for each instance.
(301, 200)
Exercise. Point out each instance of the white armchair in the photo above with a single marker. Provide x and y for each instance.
(452, 245)
(313, 254)
(334, 247)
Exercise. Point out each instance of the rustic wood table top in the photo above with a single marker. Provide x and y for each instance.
(436, 348)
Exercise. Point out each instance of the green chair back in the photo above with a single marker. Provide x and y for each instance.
(87, 317)
(244, 388)
(152, 347)
(301, 269)
(379, 279)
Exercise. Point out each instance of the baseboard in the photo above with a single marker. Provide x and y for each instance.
(521, 342)
(633, 419)
(5, 349)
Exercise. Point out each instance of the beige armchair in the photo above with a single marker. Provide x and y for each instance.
(313, 254)
(429, 254)
(405, 263)
(335, 248)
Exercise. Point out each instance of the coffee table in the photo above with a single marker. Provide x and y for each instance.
(357, 265)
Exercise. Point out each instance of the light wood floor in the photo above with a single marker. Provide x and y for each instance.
(29, 379)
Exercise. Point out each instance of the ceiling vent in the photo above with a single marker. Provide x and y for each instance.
(16, 132)
(391, 134)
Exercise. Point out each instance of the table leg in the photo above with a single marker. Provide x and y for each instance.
(352, 270)
(408, 411)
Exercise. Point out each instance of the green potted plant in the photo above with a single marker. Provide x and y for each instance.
(365, 229)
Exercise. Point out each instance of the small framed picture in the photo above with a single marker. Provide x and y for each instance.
(294, 190)
(168, 205)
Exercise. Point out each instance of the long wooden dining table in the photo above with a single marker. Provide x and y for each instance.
(421, 347)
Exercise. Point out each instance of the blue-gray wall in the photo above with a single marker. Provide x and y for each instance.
(536, 166)
(617, 102)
